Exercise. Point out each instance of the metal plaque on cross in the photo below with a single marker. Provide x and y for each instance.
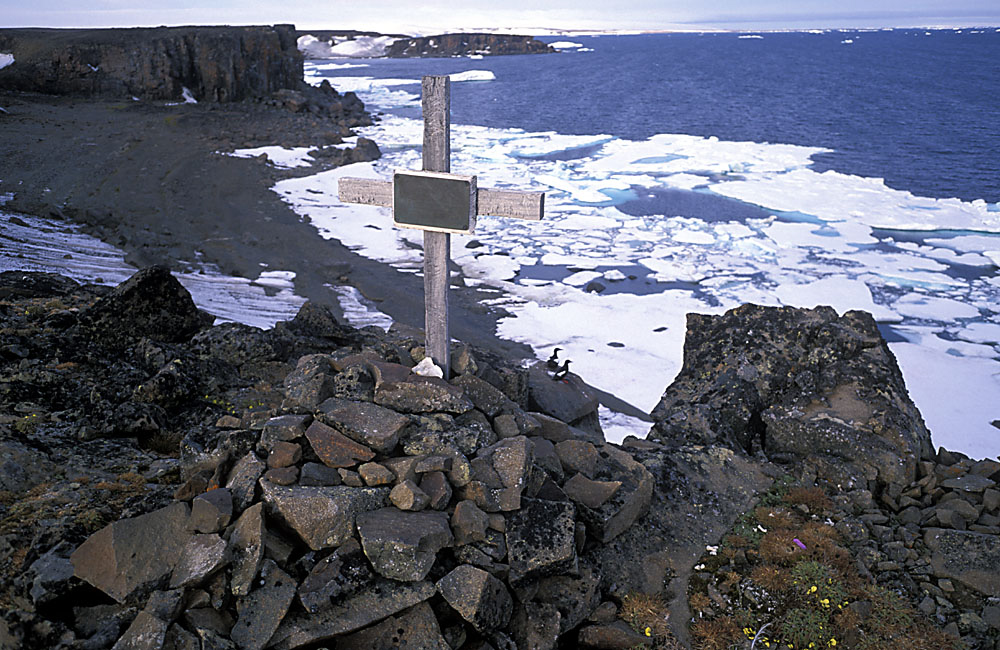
(439, 203)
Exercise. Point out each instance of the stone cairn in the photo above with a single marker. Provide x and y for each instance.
(382, 509)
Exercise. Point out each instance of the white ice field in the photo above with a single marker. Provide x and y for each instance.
(768, 230)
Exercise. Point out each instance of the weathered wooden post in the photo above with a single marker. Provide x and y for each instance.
(439, 203)
(436, 106)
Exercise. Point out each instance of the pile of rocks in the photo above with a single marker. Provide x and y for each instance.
(380, 493)
(370, 500)
(938, 539)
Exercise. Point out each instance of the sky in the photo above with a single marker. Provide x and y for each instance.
(429, 16)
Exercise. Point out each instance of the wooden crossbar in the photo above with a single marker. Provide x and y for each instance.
(491, 203)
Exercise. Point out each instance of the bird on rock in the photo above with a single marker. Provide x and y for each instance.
(553, 361)
(562, 371)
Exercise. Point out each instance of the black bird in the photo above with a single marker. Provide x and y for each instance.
(562, 371)
(553, 361)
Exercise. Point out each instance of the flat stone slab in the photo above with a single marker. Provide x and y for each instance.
(202, 556)
(418, 394)
(403, 545)
(334, 448)
(970, 558)
(323, 517)
(968, 483)
(416, 627)
(134, 555)
(260, 612)
(246, 546)
(369, 605)
(370, 424)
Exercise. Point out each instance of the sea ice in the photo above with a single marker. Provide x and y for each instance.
(956, 395)
(565, 45)
(840, 292)
(924, 307)
(834, 238)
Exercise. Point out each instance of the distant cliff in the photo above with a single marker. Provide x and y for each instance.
(220, 64)
(467, 44)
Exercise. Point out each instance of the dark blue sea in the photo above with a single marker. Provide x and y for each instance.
(920, 109)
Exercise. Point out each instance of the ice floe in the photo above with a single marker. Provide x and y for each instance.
(473, 75)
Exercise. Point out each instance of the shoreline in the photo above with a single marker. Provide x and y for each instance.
(147, 178)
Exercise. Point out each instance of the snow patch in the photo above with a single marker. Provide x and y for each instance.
(278, 156)
(6, 59)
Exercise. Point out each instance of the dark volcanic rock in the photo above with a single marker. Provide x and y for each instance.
(151, 304)
(220, 64)
(481, 599)
(131, 556)
(466, 44)
(799, 383)
(403, 545)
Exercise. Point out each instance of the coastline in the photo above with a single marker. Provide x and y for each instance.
(149, 178)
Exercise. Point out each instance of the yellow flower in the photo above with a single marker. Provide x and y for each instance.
(812, 589)
(649, 631)
(825, 602)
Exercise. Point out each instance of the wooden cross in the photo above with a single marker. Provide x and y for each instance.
(439, 203)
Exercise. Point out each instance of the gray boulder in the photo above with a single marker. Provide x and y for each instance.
(130, 557)
(371, 604)
(403, 545)
(967, 557)
(418, 394)
(323, 517)
(477, 596)
(370, 424)
(541, 539)
(415, 627)
(804, 383)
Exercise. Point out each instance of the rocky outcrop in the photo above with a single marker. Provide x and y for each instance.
(216, 64)
(465, 45)
(300, 487)
(801, 385)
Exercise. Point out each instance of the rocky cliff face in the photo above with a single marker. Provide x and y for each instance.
(218, 64)
(466, 44)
